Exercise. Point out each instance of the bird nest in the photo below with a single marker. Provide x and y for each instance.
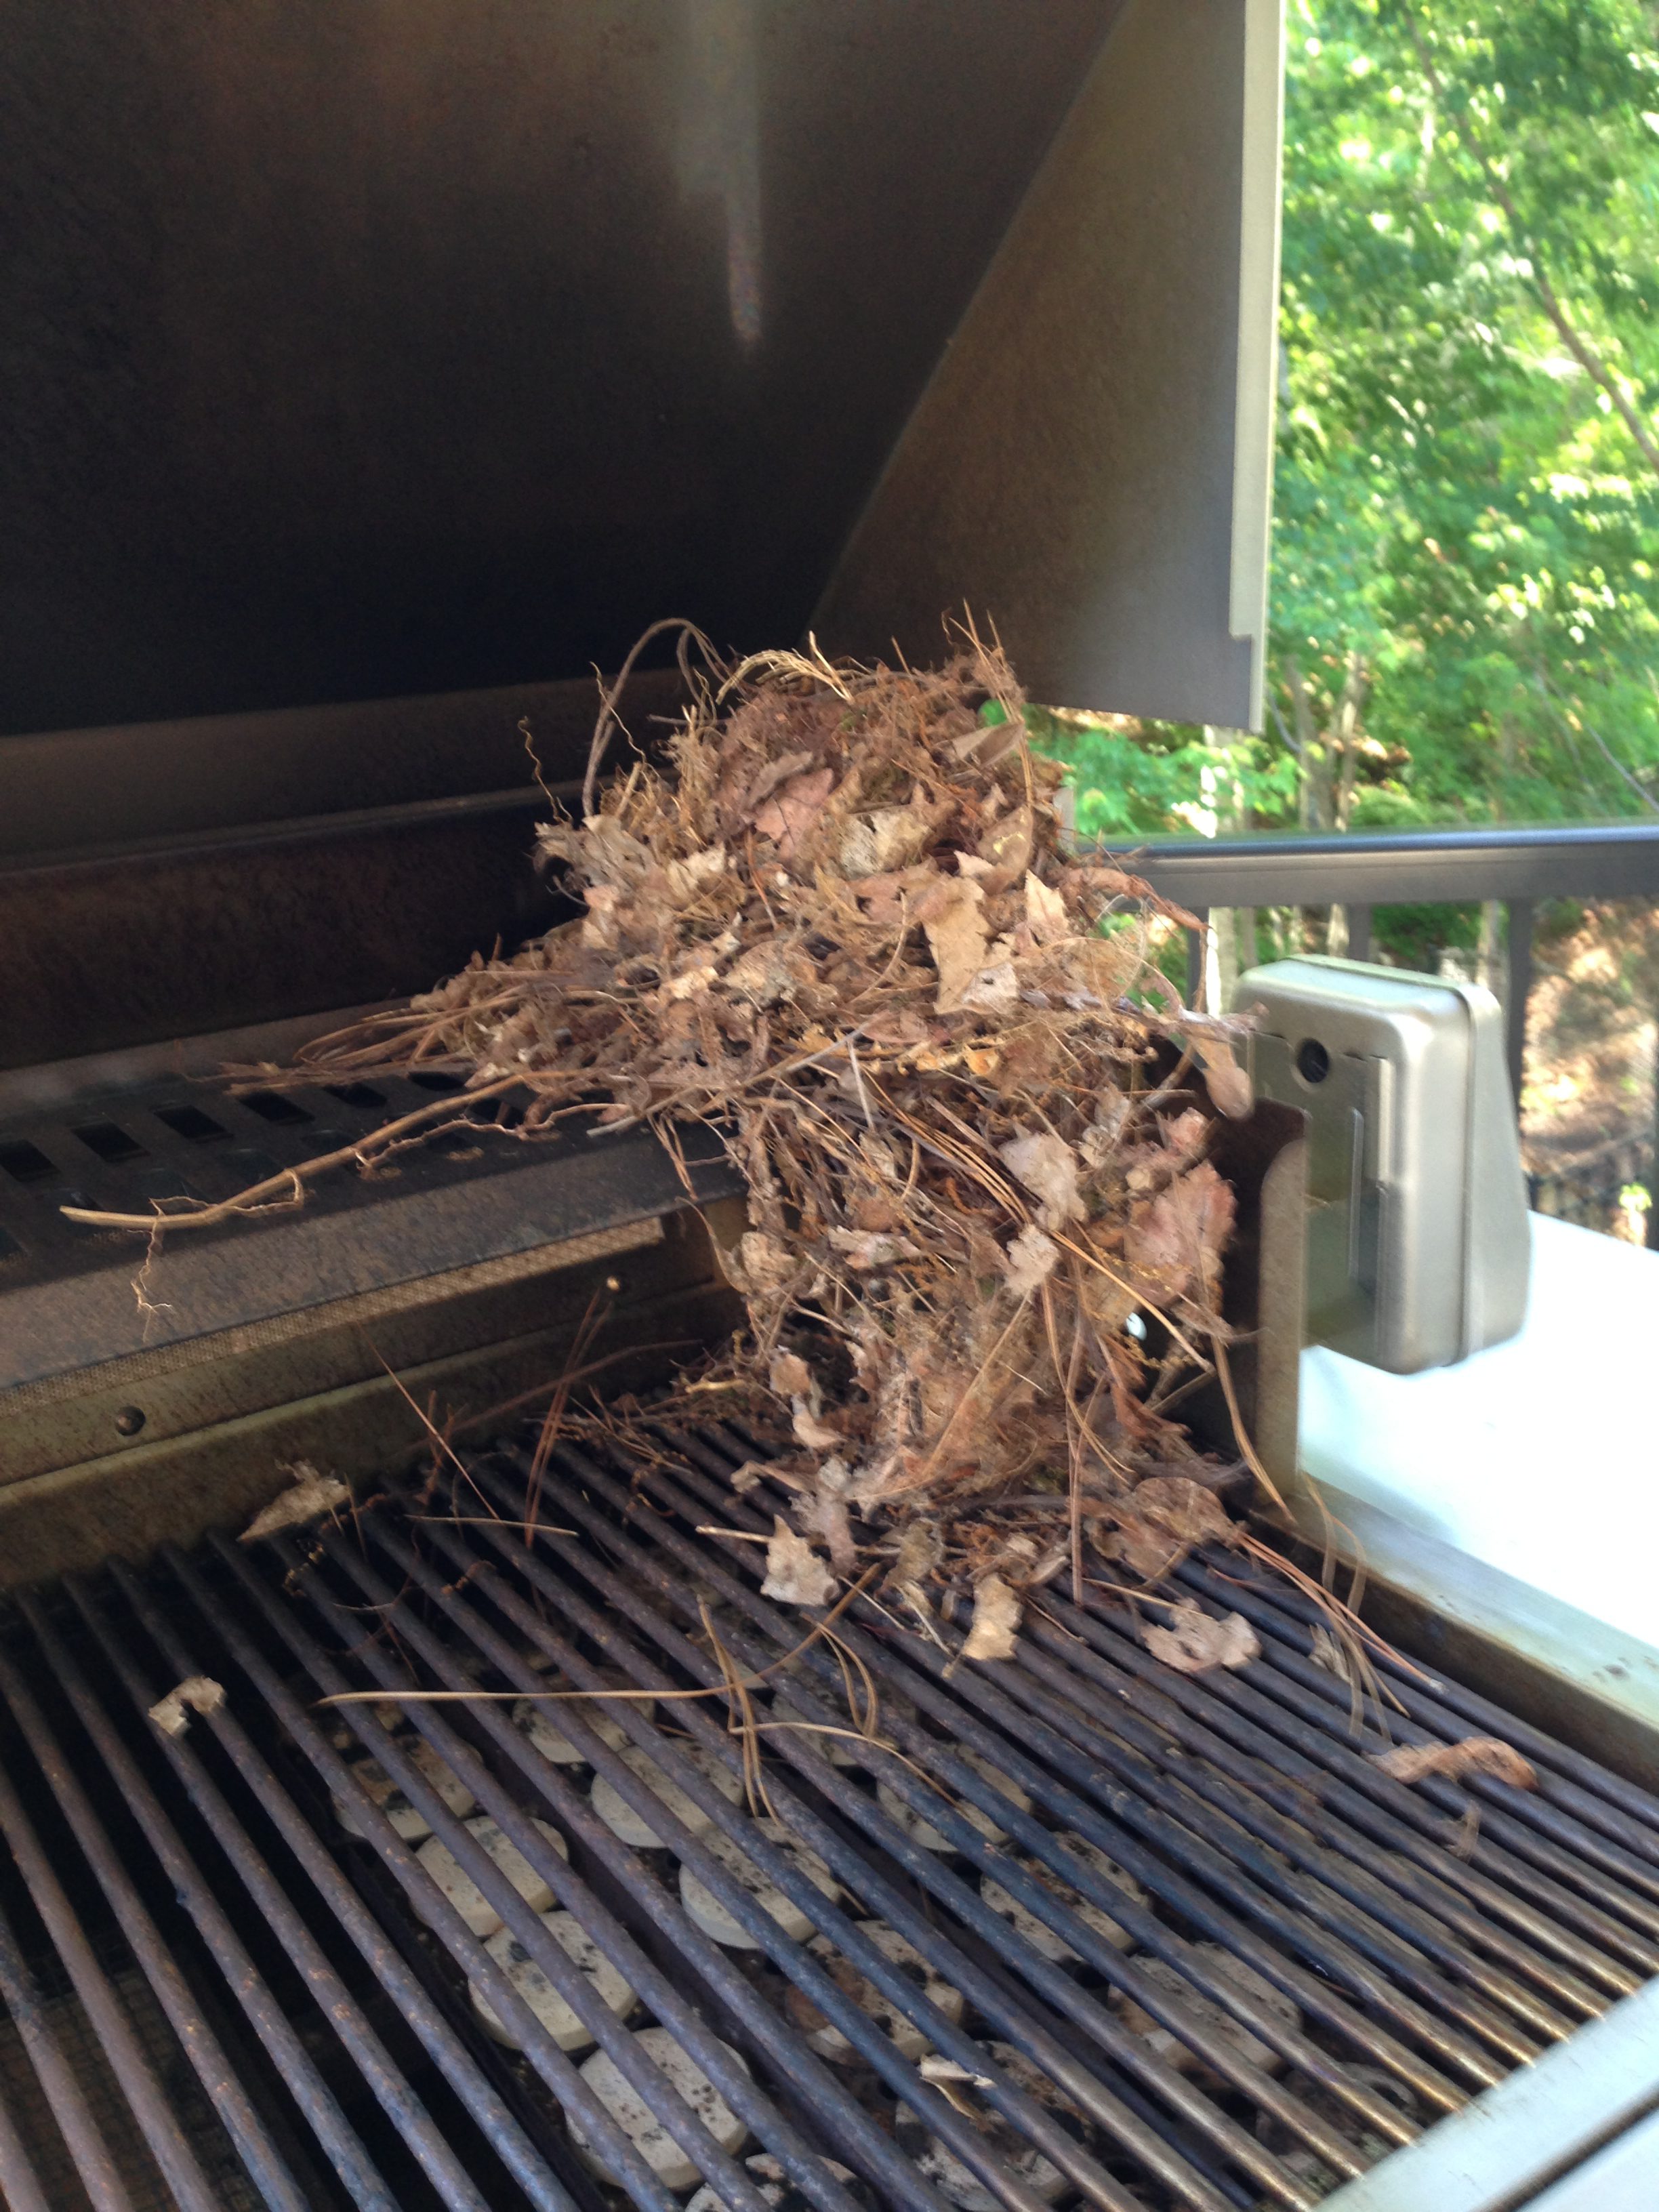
(835, 920)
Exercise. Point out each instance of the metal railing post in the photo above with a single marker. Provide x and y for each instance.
(1518, 920)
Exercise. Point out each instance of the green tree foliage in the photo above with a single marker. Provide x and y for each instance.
(1464, 618)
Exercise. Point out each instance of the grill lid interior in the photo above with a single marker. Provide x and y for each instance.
(401, 351)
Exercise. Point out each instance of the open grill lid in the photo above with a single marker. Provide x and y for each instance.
(372, 375)
(354, 354)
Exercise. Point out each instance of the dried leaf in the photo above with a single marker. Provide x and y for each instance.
(1325, 1651)
(1046, 1165)
(694, 978)
(795, 1575)
(1114, 884)
(1008, 846)
(869, 1247)
(790, 1376)
(792, 813)
(1474, 1754)
(950, 914)
(1141, 1550)
(1158, 1523)
(600, 927)
(993, 991)
(921, 1549)
(764, 975)
(1229, 1086)
(609, 854)
(891, 838)
(766, 780)
(685, 878)
(1103, 1139)
(812, 1431)
(758, 1263)
(1195, 1641)
(940, 2071)
(1179, 1237)
(989, 741)
(1030, 1261)
(199, 1693)
(1185, 1132)
(765, 2167)
(1184, 1509)
(1108, 1303)
(996, 1618)
(308, 1499)
(825, 1516)
(1045, 913)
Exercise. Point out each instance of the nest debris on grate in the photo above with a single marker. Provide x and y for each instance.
(838, 923)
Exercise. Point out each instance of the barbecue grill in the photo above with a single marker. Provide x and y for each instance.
(373, 375)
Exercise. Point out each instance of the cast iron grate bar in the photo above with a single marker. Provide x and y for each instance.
(1165, 1941)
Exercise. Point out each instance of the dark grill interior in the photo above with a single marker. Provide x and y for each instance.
(262, 2005)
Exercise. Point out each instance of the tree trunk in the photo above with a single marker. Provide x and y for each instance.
(1330, 763)
(1313, 811)
(1342, 753)
(1244, 930)
(1492, 968)
(1345, 732)
(1490, 963)
(1223, 963)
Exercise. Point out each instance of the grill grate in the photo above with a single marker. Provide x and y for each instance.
(286, 2009)
(65, 2020)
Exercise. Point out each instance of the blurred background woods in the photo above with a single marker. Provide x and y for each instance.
(1465, 626)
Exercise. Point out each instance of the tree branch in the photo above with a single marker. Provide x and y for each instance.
(1601, 746)
(1291, 745)
(1314, 768)
(1578, 346)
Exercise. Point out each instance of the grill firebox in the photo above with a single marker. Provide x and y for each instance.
(287, 2007)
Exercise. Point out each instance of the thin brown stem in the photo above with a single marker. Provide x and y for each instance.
(1548, 298)
(288, 1187)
